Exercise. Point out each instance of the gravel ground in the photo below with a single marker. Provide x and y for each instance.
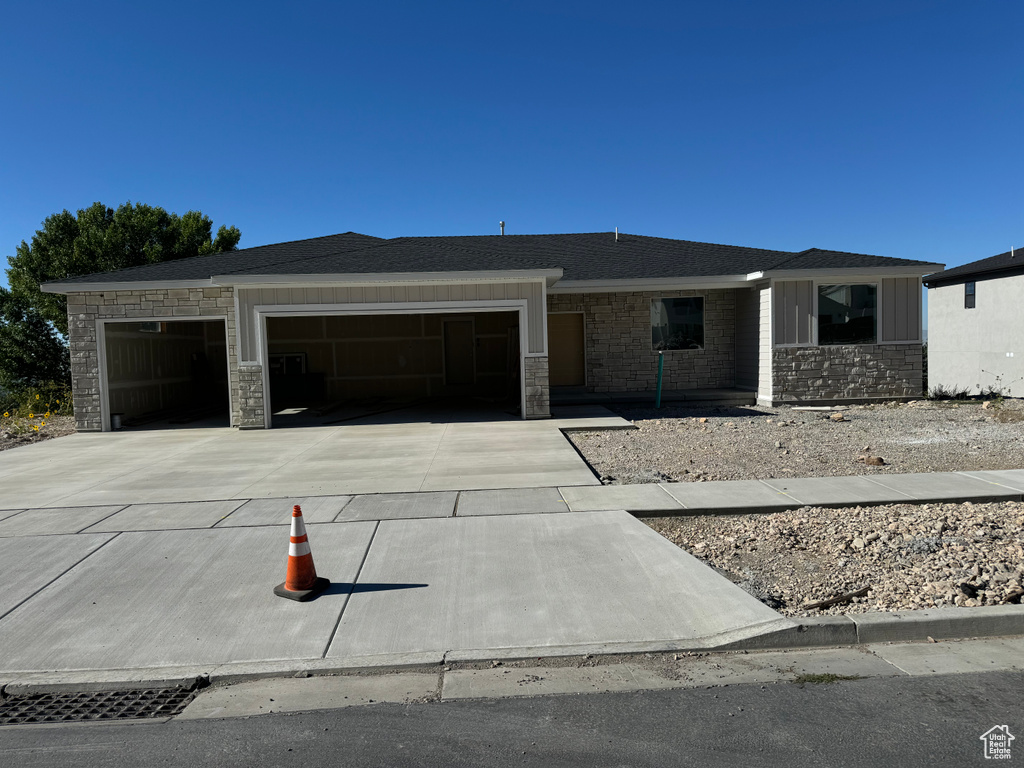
(740, 443)
(56, 426)
(909, 556)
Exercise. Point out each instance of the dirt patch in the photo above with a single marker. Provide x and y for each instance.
(743, 443)
(56, 426)
(908, 556)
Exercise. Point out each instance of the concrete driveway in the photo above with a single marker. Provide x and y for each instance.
(399, 454)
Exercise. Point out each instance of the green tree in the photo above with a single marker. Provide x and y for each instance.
(34, 325)
(32, 353)
(101, 239)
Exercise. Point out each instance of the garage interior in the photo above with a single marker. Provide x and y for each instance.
(336, 367)
(172, 373)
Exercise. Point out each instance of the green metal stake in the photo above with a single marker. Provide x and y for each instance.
(661, 372)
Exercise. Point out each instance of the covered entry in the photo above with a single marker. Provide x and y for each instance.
(168, 373)
(319, 365)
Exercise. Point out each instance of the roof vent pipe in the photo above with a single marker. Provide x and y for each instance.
(616, 234)
(502, 225)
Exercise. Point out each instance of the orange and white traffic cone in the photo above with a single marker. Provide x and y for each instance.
(301, 582)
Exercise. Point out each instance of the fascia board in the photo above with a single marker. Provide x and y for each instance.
(142, 285)
(937, 280)
(810, 274)
(648, 284)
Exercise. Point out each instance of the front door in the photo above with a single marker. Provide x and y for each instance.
(566, 356)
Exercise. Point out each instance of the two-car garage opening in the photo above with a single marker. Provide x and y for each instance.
(325, 366)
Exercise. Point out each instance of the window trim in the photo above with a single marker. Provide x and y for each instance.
(703, 320)
(877, 283)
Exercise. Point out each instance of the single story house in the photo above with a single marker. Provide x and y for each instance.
(350, 316)
(976, 325)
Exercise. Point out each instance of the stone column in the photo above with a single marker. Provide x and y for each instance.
(538, 399)
(250, 396)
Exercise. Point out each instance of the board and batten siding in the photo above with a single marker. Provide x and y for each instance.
(249, 299)
(793, 305)
(747, 339)
(900, 310)
(764, 362)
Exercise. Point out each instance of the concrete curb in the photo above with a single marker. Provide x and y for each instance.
(823, 632)
(884, 627)
(940, 623)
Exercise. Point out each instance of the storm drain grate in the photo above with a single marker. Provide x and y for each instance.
(94, 705)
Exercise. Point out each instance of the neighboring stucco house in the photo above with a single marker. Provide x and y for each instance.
(976, 326)
(507, 316)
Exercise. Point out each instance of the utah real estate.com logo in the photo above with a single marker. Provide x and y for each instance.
(997, 742)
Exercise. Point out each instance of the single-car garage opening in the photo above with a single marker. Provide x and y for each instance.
(328, 367)
(169, 373)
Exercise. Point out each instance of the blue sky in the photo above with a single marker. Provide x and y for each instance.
(881, 127)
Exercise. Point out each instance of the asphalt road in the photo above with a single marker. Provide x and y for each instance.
(908, 721)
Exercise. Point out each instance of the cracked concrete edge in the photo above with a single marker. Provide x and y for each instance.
(778, 634)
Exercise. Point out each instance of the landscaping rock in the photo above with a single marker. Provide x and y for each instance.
(809, 555)
(685, 444)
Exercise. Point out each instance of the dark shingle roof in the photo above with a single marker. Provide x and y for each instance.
(816, 258)
(262, 259)
(1009, 262)
(588, 256)
(585, 256)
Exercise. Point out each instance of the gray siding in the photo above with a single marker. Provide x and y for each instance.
(900, 309)
(533, 292)
(793, 304)
(747, 337)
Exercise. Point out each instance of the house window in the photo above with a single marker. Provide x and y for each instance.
(847, 314)
(677, 323)
(968, 295)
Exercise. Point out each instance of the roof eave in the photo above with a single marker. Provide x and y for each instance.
(649, 284)
(1005, 270)
(138, 285)
(810, 274)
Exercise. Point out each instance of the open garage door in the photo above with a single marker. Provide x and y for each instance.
(323, 366)
(166, 374)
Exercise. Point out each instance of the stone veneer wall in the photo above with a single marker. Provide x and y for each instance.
(537, 390)
(250, 396)
(618, 341)
(85, 308)
(847, 372)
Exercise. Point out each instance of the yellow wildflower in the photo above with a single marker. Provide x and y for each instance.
(31, 415)
(43, 424)
(6, 414)
(37, 397)
(46, 415)
(36, 427)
